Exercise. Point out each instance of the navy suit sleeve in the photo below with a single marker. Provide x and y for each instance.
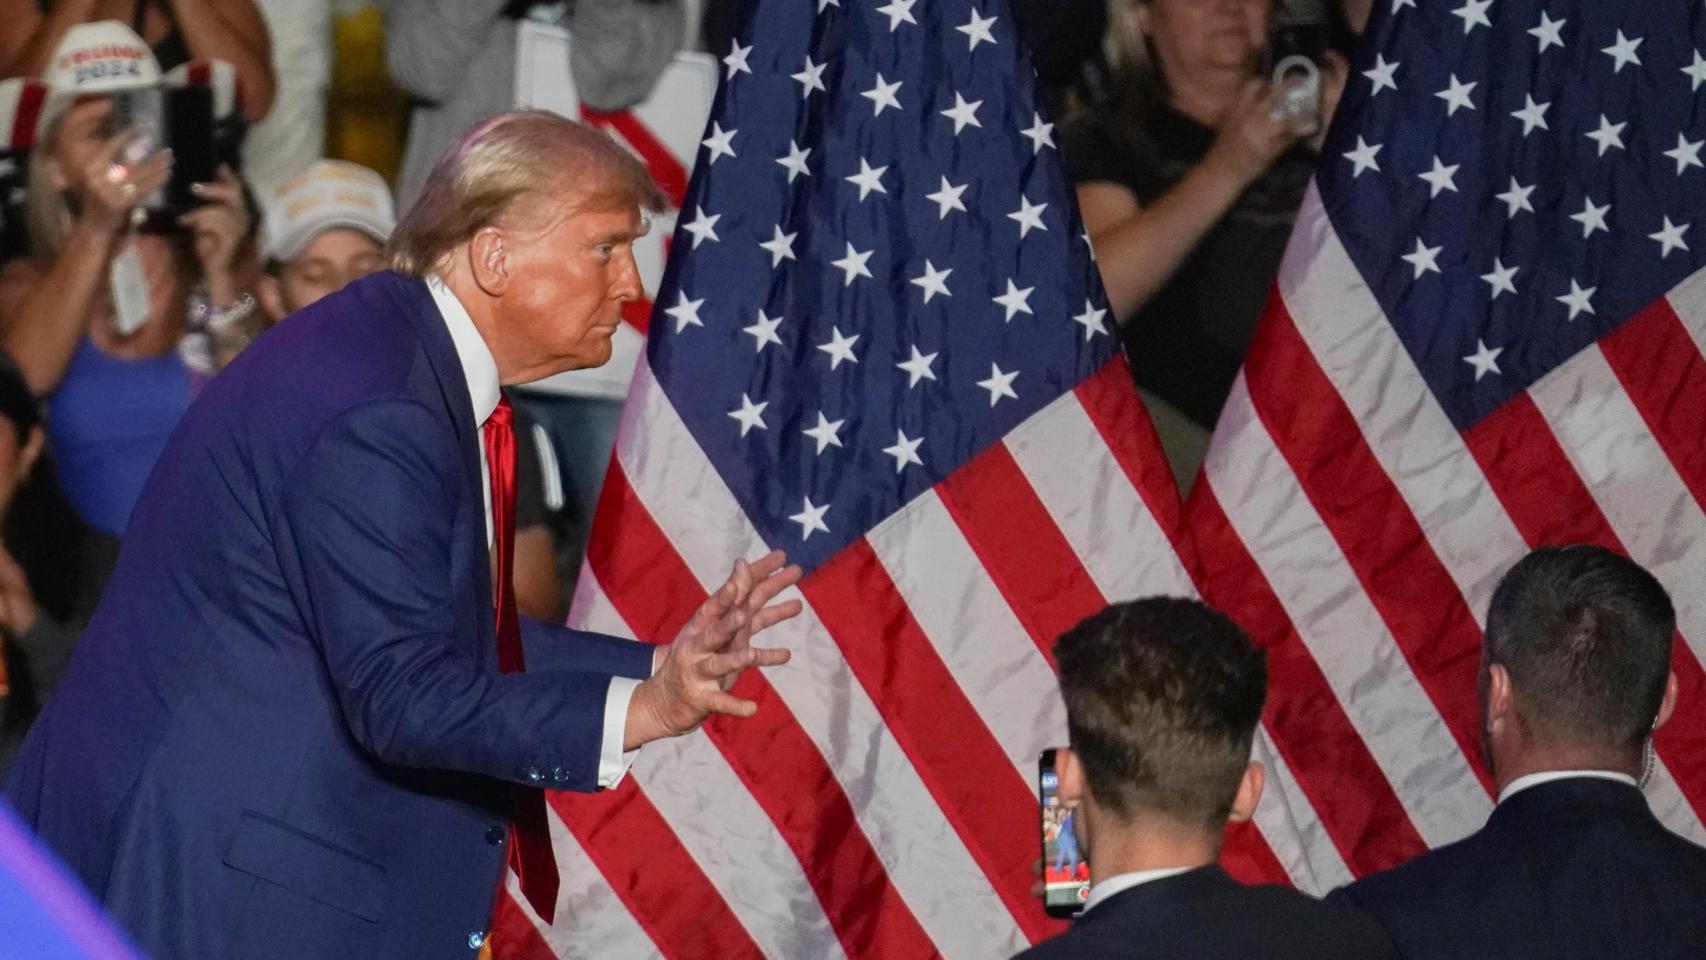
(551, 647)
(365, 533)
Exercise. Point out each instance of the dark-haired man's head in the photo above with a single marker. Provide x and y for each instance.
(1162, 700)
(1575, 670)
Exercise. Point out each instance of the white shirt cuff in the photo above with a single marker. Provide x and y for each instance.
(613, 764)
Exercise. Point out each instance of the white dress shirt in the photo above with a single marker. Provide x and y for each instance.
(481, 372)
(1536, 779)
(1121, 882)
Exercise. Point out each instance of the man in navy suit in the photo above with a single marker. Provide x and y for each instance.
(1162, 700)
(1575, 677)
(301, 719)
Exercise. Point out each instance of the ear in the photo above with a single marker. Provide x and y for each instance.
(271, 294)
(1667, 706)
(1071, 774)
(1249, 793)
(31, 451)
(1501, 700)
(489, 254)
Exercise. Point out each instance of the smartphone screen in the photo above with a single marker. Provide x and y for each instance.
(1066, 877)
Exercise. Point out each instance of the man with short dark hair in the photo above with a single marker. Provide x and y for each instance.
(1575, 677)
(1162, 700)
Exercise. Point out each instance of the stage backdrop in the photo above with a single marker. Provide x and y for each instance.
(881, 344)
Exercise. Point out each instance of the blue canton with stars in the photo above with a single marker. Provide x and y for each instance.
(879, 269)
(1515, 178)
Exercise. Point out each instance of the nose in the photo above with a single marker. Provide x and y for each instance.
(627, 284)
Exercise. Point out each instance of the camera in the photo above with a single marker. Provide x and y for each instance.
(1299, 40)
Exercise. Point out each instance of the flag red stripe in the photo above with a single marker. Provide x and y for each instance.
(1116, 410)
(1330, 760)
(1248, 858)
(1397, 568)
(1661, 370)
(513, 936)
(1550, 504)
(657, 878)
(993, 810)
(770, 753)
(1017, 542)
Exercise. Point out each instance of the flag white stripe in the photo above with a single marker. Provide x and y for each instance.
(1688, 299)
(1341, 628)
(721, 825)
(1645, 502)
(1418, 448)
(1092, 501)
(931, 869)
(974, 630)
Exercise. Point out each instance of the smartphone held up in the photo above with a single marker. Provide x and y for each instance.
(1066, 877)
(178, 118)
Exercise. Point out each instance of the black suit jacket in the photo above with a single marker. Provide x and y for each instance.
(1572, 868)
(1206, 915)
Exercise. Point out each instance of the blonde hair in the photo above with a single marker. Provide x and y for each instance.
(47, 209)
(1124, 43)
(523, 155)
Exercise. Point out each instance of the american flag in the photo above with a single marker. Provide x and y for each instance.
(1486, 336)
(880, 344)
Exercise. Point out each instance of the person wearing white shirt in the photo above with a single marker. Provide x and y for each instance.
(1575, 679)
(1162, 699)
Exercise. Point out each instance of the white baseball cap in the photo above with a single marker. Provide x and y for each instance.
(327, 195)
(95, 58)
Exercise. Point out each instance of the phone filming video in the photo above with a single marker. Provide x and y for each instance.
(1066, 877)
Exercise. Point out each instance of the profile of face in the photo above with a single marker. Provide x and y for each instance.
(329, 262)
(564, 283)
(1191, 36)
(76, 140)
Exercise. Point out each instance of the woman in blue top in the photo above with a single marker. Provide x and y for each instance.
(95, 315)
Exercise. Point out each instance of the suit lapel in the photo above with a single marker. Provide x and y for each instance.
(416, 303)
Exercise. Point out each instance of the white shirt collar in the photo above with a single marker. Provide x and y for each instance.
(478, 367)
(1121, 882)
(1536, 779)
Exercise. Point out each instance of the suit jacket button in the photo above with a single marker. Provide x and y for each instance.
(476, 940)
(535, 774)
(494, 835)
(559, 775)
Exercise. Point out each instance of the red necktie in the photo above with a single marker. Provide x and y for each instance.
(530, 851)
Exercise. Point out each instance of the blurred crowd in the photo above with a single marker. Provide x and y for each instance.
(165, 200)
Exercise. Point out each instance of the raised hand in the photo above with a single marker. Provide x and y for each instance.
(114, 190)
(697, 670)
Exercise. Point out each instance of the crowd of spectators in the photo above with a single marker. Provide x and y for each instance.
(124, 287)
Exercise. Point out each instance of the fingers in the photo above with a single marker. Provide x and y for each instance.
(729, 705)
(225, 191)
(772, 585)
(772, 615)
(769, 563)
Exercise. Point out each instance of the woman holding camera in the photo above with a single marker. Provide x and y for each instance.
(1188, 181)
(95, 315)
